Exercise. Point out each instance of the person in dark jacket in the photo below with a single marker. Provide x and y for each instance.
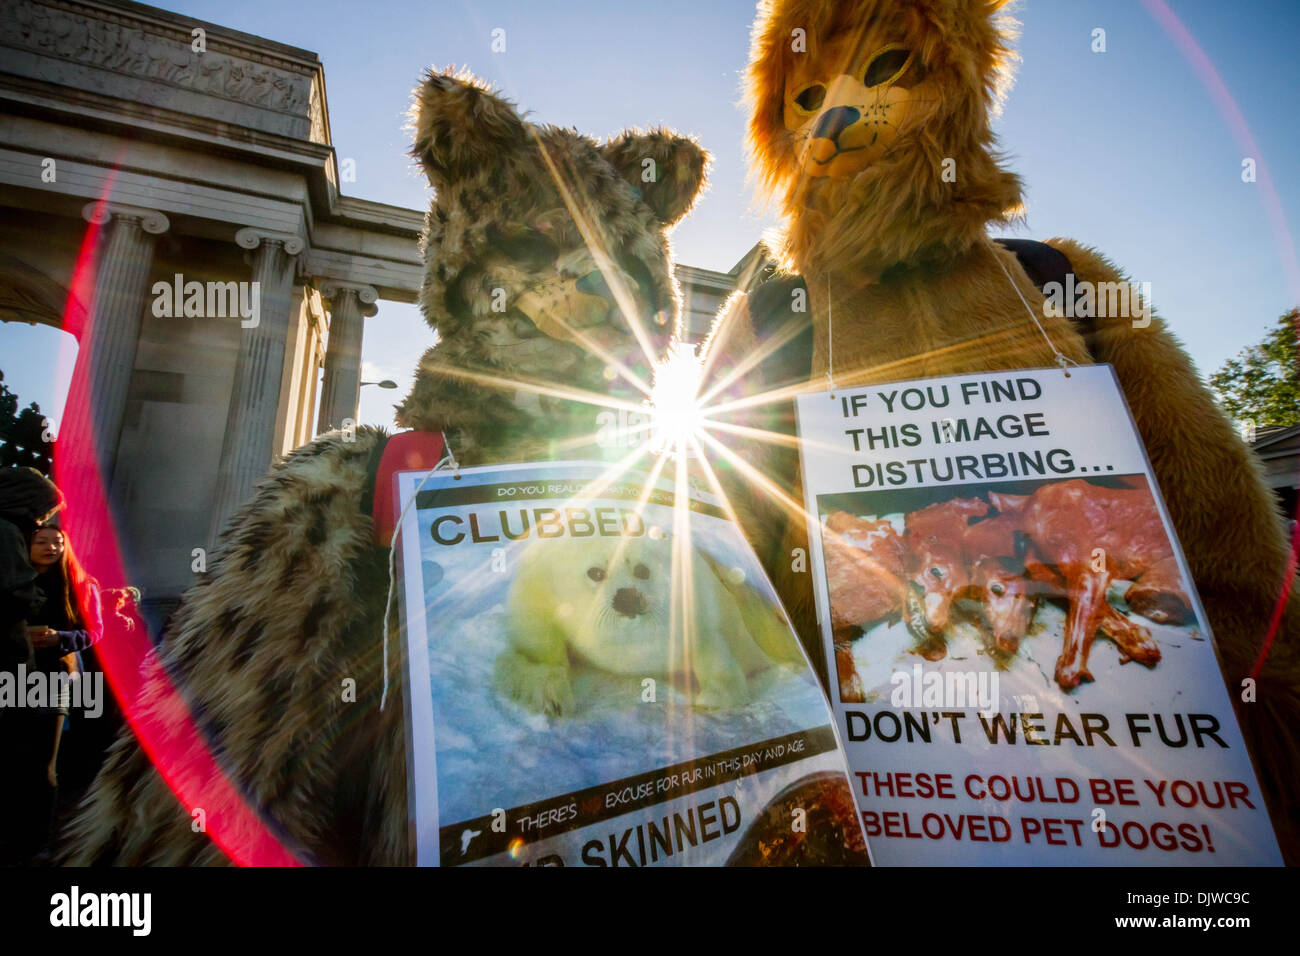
(27, 500)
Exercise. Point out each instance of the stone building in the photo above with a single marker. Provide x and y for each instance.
(204, 156)
(1278, 449)
(194, 165)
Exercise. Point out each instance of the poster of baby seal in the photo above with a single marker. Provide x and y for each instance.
(601, 675)
(1021, 669)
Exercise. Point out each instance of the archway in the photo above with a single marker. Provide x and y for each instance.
(38, 344)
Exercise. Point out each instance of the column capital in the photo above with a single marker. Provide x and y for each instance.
(151, 220)
(250, 238)
(367, 295)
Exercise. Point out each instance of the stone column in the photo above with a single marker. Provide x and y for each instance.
(348, 302)
(249, 445)
(86, 451)
(106, 354)
(314, 359)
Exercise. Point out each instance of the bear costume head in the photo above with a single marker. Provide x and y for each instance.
(546, 260)
(884, 108)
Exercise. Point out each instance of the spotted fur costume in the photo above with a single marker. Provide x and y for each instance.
(569, 236)
(856, 132)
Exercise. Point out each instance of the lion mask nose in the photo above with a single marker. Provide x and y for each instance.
(835, 121)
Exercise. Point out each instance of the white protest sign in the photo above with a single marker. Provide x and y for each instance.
(1021, 670)
(600, 675)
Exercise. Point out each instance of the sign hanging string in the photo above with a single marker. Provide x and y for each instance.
(448, 458)
(1061, 359)
(830, 338)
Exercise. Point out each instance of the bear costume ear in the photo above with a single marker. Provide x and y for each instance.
(461, 125)
(668, 170)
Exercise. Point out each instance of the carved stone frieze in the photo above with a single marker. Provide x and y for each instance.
(161, 52)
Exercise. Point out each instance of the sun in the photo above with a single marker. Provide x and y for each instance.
(677, 412)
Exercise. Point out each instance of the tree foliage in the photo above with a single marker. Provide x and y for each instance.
(22, 434)
(1262, 384)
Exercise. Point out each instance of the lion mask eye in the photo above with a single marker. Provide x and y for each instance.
(641, 572)
(811, 98)
(887, 66)
(596, 574)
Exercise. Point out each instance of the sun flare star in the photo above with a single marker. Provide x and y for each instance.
(677, 413)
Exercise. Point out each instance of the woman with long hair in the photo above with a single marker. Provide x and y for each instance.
(68, 622)
(71, 619)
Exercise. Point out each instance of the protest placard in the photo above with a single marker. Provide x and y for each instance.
(1021, 669)
(600, 674)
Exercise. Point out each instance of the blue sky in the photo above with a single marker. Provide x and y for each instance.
(1124, 150)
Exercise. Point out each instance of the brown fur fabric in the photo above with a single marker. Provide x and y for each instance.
(901, 258)
(540, 242)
